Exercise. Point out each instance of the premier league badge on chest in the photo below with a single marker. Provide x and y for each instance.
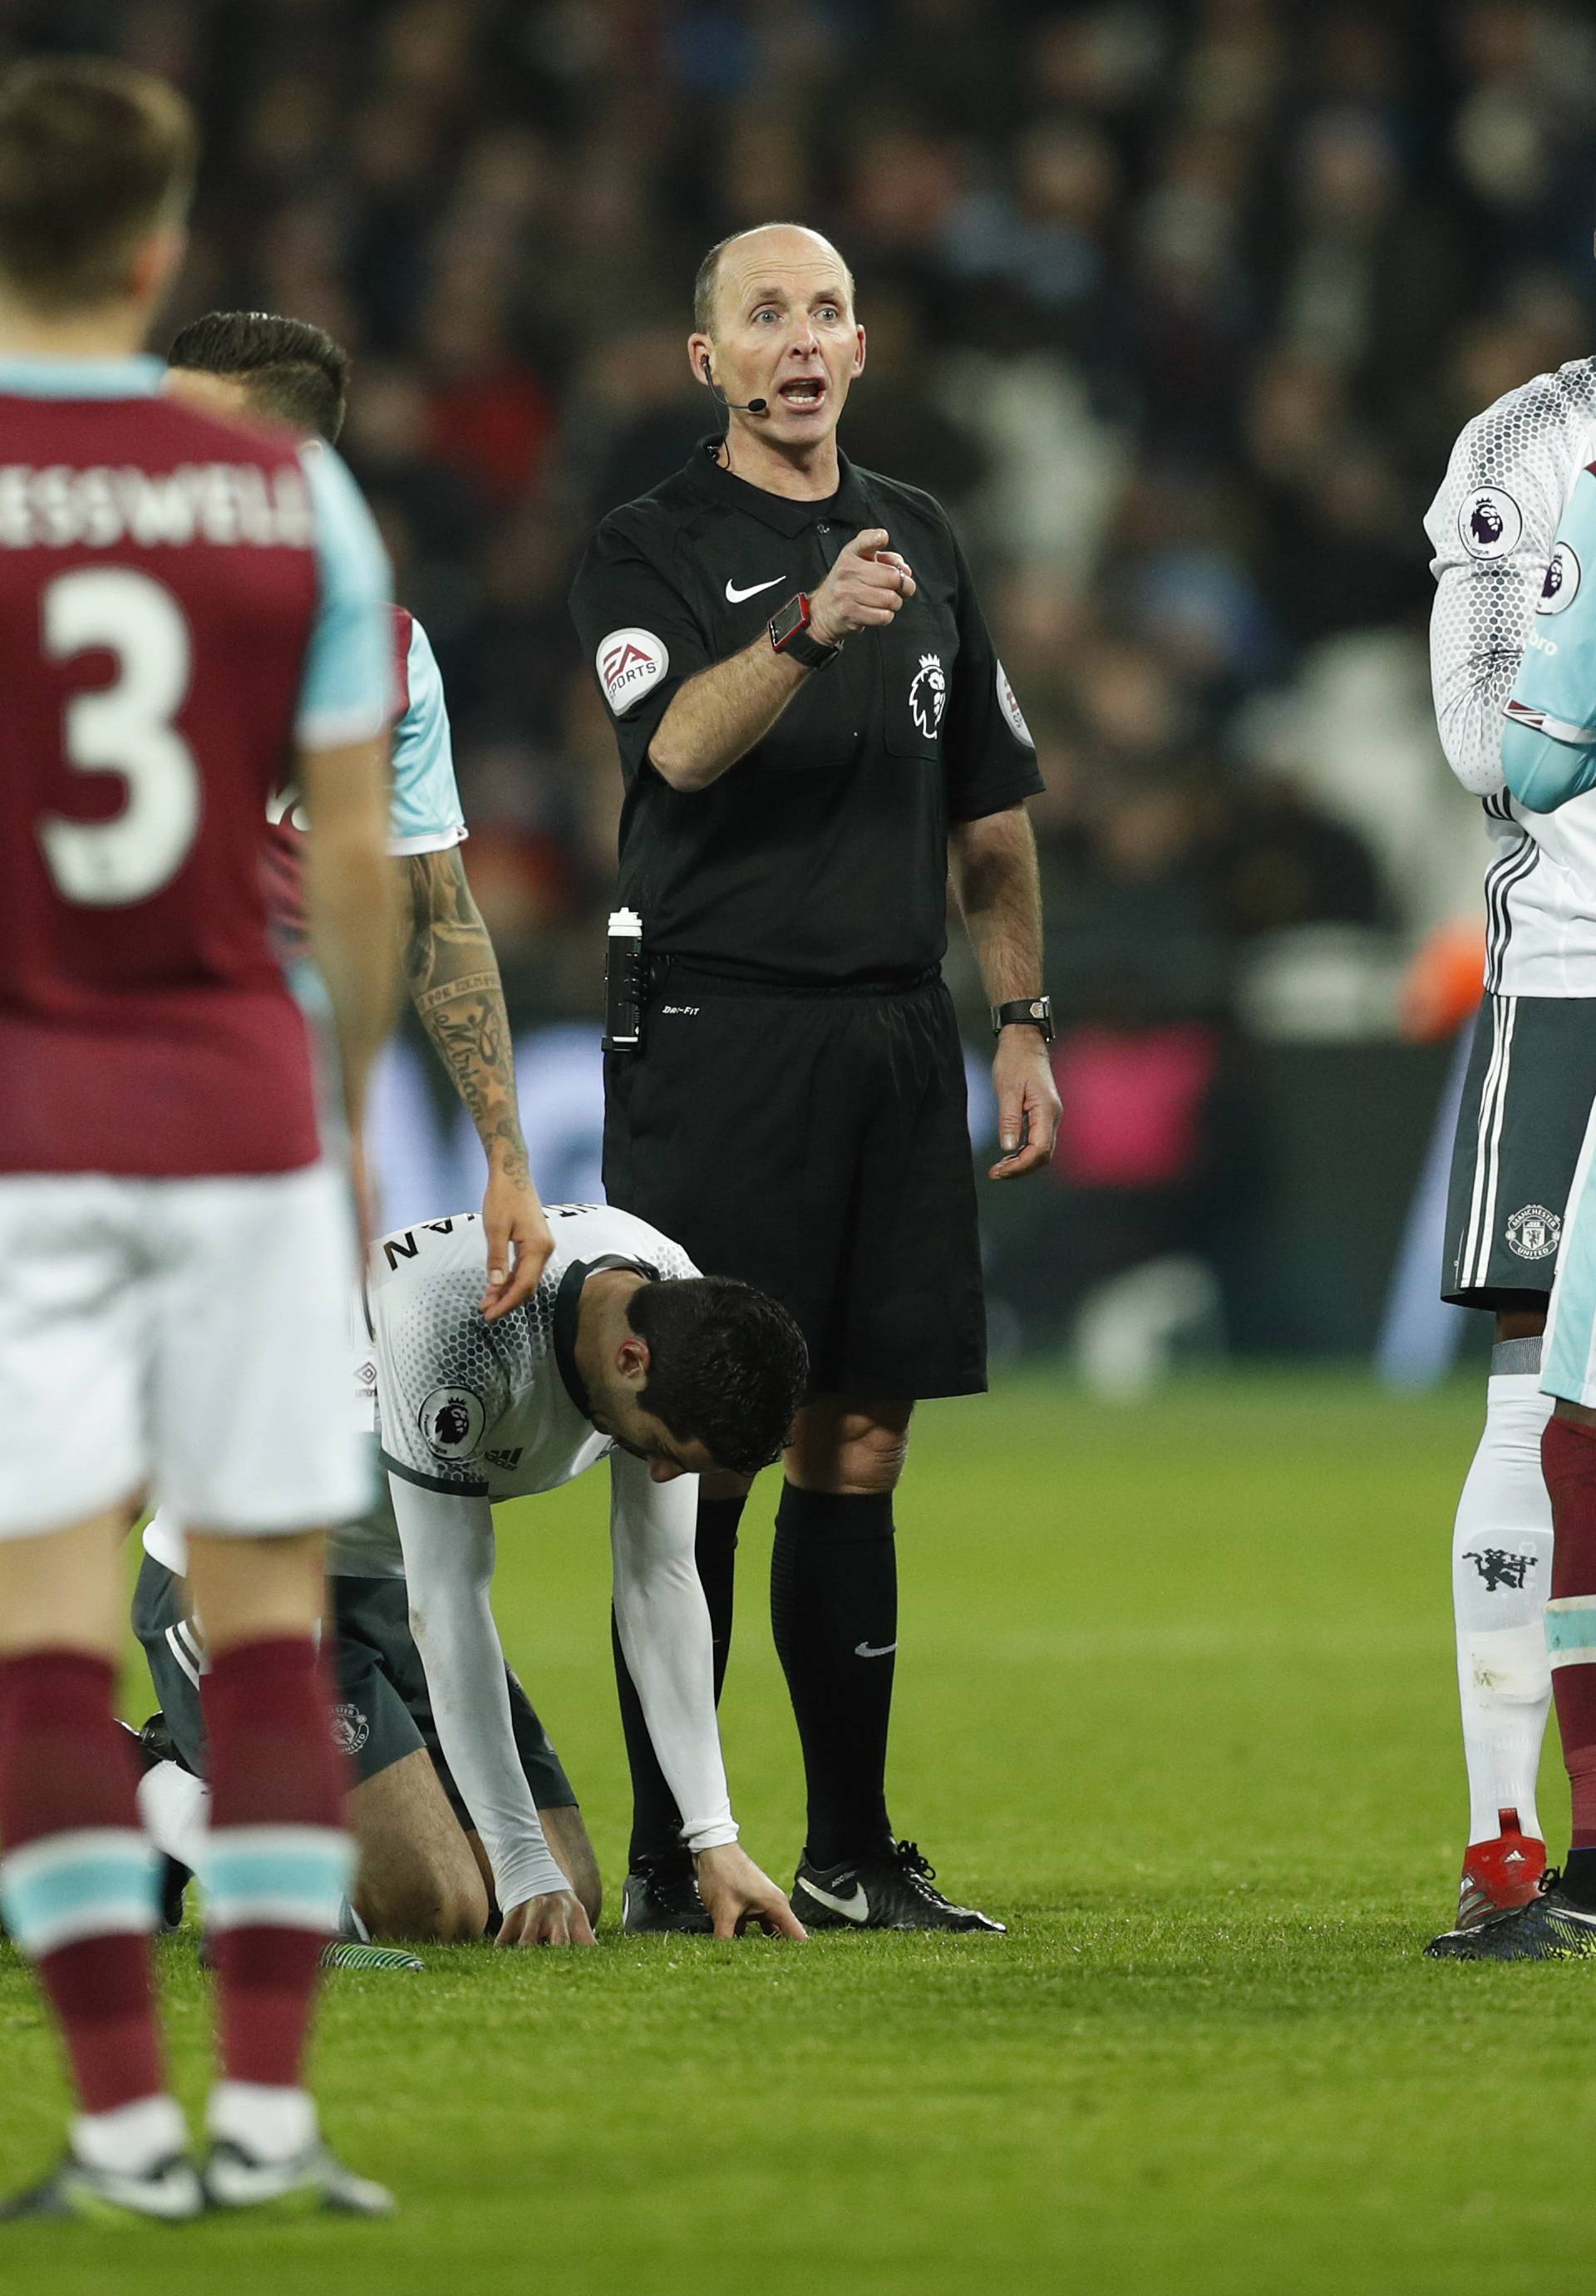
(927, 694)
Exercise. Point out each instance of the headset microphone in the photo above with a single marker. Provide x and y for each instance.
(734, 406)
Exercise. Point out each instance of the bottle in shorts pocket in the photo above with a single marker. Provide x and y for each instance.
(623, 982)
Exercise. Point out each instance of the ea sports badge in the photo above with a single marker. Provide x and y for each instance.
(628, 662)
(1009, 706)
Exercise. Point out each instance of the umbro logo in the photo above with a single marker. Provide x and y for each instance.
(734, 596)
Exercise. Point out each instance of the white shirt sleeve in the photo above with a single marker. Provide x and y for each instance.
(1492, 526)
(663, 1622)
(448, 1539)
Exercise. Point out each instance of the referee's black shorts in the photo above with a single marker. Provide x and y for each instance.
(814, 1143)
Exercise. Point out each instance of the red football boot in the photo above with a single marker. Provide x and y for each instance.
(1500, 1874)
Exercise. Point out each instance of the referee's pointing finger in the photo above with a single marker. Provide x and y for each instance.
(864, 589)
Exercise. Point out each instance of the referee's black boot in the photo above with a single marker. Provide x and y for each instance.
(662, 1895)
(890, 1891)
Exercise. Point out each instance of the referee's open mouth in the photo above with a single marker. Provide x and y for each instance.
(802, 394)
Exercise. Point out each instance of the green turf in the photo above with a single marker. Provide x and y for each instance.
(1176, 1699)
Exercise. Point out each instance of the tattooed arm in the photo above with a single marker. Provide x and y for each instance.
(453, 980)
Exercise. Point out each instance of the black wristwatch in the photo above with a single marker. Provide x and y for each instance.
(789, 634)
(1025, 1012)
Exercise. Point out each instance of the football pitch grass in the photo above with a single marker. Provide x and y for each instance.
(1176, 1700)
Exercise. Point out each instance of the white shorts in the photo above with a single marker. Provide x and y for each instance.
(185, 1337)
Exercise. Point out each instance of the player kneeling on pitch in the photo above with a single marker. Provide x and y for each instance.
(624, 1352)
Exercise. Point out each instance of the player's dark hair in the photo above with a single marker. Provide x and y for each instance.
(292, 371)
(728, 1367)
(93, 156)
(708, 274)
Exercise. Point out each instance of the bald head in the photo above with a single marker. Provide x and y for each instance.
(778, 343)
(790, 246)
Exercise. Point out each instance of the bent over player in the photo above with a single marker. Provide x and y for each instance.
(1505, 587)
(256, 366)
(183, 606)
(623, 1351)
(1548, 758)
(452, 1758)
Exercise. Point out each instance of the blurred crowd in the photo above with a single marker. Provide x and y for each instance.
(1178, 307)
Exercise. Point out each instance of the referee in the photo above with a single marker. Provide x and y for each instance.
(813, 728)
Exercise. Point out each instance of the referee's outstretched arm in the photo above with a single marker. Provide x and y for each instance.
(719, 715)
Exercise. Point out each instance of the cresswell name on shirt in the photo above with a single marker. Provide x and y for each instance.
(56, 506)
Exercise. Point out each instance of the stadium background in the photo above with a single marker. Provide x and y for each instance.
(1177, 306)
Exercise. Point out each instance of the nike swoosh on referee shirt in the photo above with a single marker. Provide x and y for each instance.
(734, 596)
(874, 1650)
(856, 1908)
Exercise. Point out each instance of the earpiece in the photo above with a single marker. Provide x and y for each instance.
(736, 406)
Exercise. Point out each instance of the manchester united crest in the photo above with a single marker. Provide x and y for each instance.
(1534, 1232)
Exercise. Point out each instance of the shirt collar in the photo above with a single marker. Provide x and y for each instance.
(568, 1299)
(80, 378)
(850, 503)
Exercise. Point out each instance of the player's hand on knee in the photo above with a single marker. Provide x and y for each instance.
(864, 589)
(737, 1895)
(558, 1917)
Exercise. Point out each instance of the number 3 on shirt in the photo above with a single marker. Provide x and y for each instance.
(124, 728)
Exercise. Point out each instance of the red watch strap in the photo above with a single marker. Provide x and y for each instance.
(801, 600)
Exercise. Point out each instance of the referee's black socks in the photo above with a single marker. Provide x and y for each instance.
(656, 1823)
(833, 1613)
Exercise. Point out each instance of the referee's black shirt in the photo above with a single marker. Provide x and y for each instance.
(822, 855)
